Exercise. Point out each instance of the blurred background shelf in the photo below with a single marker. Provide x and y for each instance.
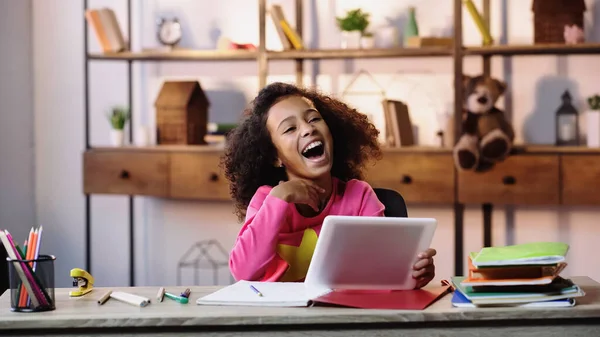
(177, 55)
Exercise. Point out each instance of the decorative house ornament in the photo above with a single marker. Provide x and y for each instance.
(181, 113)
(208, 254)
(567, 123)
(551, 17)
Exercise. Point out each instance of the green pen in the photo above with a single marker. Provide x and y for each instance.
(176, 298)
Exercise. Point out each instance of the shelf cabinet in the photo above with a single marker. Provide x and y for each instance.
(198, 176)
(580, 177)
(420, 178)
(519, 180)
(120, 172)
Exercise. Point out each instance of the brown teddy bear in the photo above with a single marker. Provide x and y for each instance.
(487, 136)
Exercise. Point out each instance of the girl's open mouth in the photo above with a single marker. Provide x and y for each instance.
(314, 151)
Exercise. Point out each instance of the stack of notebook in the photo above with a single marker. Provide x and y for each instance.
(526, 275)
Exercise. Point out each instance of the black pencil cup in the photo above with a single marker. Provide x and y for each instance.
(32, 284)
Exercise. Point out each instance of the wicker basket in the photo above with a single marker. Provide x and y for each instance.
(551, 16)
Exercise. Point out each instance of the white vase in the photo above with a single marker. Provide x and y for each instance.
(592, 120)
(351, 39)
(367, 42)
(142, 136)
(388, 37)
(117, 137)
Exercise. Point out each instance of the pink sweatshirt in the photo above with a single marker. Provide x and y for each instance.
(276, 242)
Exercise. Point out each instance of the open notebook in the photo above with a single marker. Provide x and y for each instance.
(296, 294)
(291, 294)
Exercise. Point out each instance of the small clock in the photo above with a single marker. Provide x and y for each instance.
(169, 32)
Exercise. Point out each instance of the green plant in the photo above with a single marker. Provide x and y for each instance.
(118, 117)
(594, 102)
(355, 19)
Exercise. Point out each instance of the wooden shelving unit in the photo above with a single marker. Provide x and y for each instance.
(533, 175)
(177, 55)
(537, 49)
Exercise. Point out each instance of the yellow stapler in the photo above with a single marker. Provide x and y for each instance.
(84, 280)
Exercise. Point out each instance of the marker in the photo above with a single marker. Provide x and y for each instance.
(182, 300)
(256, 291)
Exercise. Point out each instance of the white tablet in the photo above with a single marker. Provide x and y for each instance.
(369, 253)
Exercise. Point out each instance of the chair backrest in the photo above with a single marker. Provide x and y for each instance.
(4, 281)
(393, 202)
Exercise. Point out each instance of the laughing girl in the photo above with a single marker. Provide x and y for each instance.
(296, 158)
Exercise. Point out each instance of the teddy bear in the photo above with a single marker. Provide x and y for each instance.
(486, 136)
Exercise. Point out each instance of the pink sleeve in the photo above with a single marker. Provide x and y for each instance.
(255, 246)
(370, 206)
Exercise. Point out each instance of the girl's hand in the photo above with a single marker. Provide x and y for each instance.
(299, 191)
(424, 269)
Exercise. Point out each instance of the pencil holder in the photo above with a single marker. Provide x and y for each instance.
(32, 284)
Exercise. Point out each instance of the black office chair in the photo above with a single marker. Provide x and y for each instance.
(4, 281)
(393, 202)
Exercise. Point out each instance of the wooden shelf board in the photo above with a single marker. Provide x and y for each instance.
(418, 149)
(517, 149)
(220, 148)
(551, 149)
(232, 55)
(160, 148)
(359, 53)
(535, 49)
(177, 55)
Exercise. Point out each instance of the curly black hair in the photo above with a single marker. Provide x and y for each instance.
(250, 156)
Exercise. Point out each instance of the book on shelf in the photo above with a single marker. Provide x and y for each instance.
(398, 126)
(485, 33)
(105, 25)
(290, 39)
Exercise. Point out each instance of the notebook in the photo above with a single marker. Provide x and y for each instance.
(460, 301)
(278, 294)
(298, 294)
(534, 253)
(520, 294)
(512, 275)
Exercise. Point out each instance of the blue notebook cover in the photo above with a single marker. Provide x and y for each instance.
(460, 301)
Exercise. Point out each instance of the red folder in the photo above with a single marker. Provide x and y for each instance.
(417, 299)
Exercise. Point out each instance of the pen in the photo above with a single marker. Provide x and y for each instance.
(256, 291)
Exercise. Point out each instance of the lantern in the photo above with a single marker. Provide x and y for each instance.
(567, 123)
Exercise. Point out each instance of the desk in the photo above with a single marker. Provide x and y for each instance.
(83, 316)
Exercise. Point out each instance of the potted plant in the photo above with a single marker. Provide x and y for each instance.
(593, 121)
(353, 27)
(367, 41)
(118, 118)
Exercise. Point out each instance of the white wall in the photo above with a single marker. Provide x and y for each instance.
(17, 208)
(165, 229)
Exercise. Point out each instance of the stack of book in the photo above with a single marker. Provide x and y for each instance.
(525, 275)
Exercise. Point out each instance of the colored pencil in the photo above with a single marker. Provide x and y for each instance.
(19, 266)
(23, 294)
